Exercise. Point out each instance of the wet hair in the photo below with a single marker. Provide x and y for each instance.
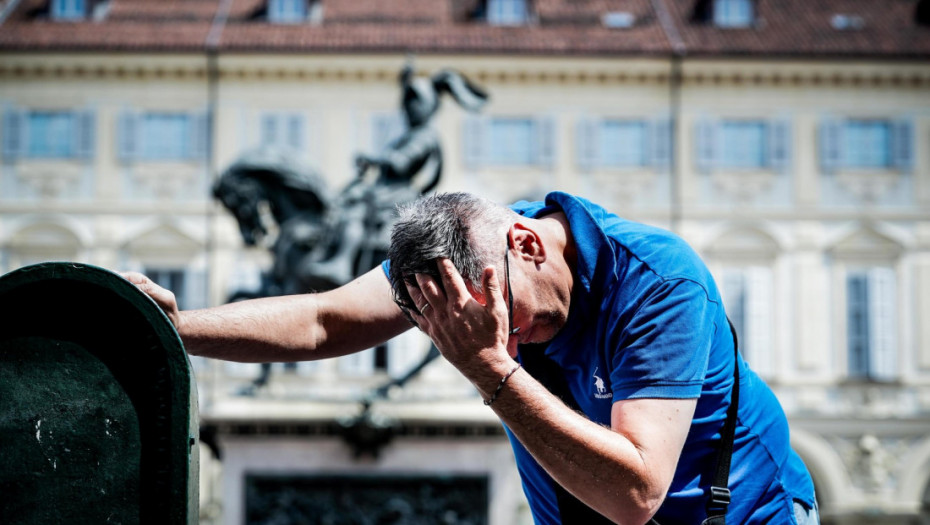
(468, 230)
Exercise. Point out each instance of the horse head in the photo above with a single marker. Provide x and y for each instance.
(243, 196)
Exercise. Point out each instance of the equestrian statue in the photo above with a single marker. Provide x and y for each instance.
(325, 239)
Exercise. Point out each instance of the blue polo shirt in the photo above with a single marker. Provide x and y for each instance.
(646, 321)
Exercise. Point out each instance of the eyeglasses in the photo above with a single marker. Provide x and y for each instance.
(509, 289)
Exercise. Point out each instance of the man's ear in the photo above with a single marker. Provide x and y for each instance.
(528, 243)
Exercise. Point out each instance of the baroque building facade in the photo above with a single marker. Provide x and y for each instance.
(788, 142)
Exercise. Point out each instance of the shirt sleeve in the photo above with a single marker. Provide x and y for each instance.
(663, 344)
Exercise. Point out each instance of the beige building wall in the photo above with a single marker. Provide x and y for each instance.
(865, 442)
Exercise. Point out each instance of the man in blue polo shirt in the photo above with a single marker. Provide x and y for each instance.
(623, 423)
(632, 319)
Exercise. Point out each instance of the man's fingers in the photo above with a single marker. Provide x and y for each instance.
(492, 289)
(452, 281)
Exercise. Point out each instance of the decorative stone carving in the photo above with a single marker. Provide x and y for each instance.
(868, 186)
(51, 180)
(744, 187)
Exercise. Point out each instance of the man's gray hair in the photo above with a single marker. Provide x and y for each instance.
(468, 230)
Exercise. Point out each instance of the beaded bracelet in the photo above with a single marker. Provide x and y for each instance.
(487, 402)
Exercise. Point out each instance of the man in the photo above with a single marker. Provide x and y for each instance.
(629, 316)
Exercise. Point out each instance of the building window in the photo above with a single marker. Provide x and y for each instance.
(871, 324)
(508, 141)
(161, 136)
(282, 130)
(287, 11)
(165, 136)
(866, 144)
(511, 141)
(51, 135)
(68, 9)
(744, 144)
(48, 134)
(623, 143)
(188, 285)
(733, 13)
(507, 12)
(747, 297)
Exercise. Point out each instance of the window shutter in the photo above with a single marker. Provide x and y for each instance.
(831, 145)
(474, 142)
(706, 145)
(587, 140)
(128, 136)
(779, 145)
(882, 324)
(661, 144)
(857, 324)
(85, 134)
(269, 130)
(296, 137)
(545, 153)
(759, 325)
(200, 136)
(14, 133)
(902, 145)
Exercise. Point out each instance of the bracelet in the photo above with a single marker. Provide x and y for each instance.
(487, 402)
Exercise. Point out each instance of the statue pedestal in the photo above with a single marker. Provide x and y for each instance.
(98, 405)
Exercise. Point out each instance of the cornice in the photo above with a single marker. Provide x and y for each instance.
(495, 70)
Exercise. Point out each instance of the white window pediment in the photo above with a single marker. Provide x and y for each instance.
(744, 244)
(867, 244)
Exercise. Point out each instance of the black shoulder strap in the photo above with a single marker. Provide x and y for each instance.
(719, 490)
(571, 509)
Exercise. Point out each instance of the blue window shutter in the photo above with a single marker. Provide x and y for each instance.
(857, 324)
(295, 132)
(902, 145)
(779, 144)
(831, 145)
(85, 131)
(269, 130)
(200, 135)
(705, 140)
(545, 153)
(474, 143)
(661, 143)
(586, 143)
(14, 132)
(128, 136)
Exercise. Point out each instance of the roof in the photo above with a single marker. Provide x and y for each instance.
(781, 28)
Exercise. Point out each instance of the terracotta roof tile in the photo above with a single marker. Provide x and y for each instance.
(799, 28)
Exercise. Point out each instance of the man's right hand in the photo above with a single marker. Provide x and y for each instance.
(164, 298)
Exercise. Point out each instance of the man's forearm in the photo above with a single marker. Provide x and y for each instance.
(597, 465)
(356, 316)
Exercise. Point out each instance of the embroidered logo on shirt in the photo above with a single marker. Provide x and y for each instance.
(601, 389)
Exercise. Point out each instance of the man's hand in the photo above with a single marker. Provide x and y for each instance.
(165, 299)
(471, 335)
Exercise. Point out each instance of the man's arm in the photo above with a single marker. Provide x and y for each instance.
(623, 472)
(353, 317)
